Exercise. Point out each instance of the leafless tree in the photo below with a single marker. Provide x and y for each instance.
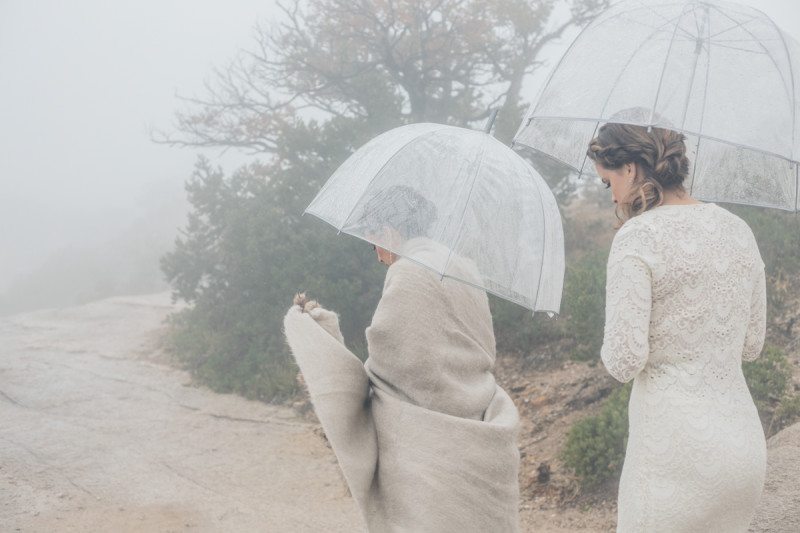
(386, 62)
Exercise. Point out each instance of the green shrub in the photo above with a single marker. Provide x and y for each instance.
(768, 378)
(518, 331)
(584, 304)
(228, 360)
(582, 316)
(581, 319)
(787, 413)
(595, 446)
(778, 237)
(246, 251)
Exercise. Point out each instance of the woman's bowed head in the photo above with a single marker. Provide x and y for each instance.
(393, 216)
(385, 256)
(643, 167)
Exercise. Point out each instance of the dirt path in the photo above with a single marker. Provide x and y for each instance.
(96, 436)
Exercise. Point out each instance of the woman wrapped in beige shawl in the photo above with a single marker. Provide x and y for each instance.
(425, 437)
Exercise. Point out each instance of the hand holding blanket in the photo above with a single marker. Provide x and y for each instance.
(327, 319)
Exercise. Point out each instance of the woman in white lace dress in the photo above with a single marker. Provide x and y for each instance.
(685, 305)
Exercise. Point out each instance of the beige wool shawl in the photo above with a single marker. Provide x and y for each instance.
(425, 438)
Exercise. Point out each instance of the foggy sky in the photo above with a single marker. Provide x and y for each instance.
(81, 81)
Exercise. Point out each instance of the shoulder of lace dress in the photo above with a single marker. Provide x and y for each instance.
(745, 230)
(635, 237)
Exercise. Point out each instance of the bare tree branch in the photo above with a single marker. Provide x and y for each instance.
(383, 60)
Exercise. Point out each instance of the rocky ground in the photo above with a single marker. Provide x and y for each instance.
(779, 511)
(100, 434)
(550, 400)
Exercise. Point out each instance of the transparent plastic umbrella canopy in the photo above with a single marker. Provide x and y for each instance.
(490, 218)
(724, 74)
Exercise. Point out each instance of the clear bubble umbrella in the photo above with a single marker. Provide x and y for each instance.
(490, 217)
(722, 73)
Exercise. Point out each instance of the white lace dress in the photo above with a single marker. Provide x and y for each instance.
(685, 304)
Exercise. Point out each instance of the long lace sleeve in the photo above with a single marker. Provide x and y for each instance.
(628, 301)
(757, 325)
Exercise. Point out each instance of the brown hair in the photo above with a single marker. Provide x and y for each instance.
(659, 152)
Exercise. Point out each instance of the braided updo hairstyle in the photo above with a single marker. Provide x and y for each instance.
(660, 153)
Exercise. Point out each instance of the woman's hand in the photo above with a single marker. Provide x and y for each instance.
(306, 305)
(327, 319)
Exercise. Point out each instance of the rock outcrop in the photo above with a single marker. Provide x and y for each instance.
(779, 511)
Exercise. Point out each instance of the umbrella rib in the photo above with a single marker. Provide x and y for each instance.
(542, 189)
(630, 60)
(464, 165)
(710, 199)
(737, 24)
(664, 68)
(698, 49)
(739, 49)
(464, 211)
(694, 165)
(544, 239)
(534, 107)
(794, 88)
(775, 63)
(552, 74)
(372, 179)
(650, 8)
(586, 155)
(324, 188)
(686, 32)
(703, 108)
(619, 77)
(679, 130)
(717, 41)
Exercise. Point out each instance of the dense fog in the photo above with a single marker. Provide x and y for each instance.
(88, 202)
